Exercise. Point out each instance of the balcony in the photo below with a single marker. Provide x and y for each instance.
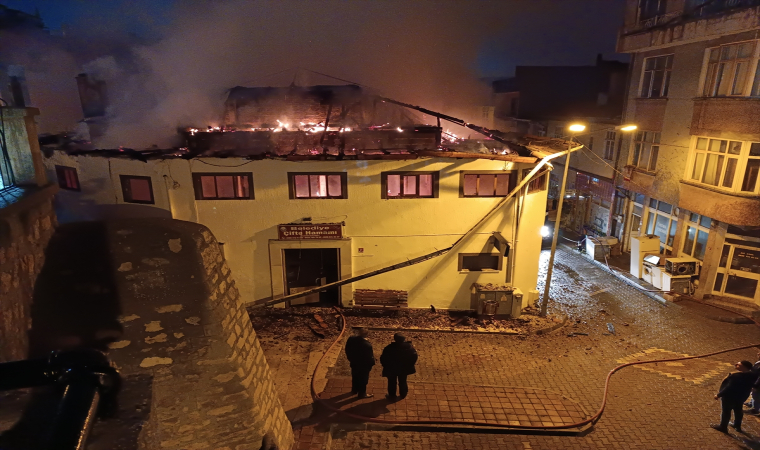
(742, 210)
(721, 18)
(728, 117)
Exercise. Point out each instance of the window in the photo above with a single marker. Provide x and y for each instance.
(67, 178)
(649, 9)
(656, 77)
(730, 70)
(646, 149)
(137, 189)
(223, 186)
(726, 165)
(590, 143)
(749, 181)
(479, 262)
(559, 131)
(409, 184)
(636, 214)
(695, 242)
(609, 145)
(537, 183)
(485, 184)
(662, 221)
(317, 185)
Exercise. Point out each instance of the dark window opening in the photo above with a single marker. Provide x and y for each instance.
(477, 262)
(67, 178)
(137, 189)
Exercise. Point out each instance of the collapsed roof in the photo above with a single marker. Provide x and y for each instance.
(332, 122)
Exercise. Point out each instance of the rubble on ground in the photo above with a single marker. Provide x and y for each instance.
(304, 323)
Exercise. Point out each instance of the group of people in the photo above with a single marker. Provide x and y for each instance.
(734, 390)
(398, 360)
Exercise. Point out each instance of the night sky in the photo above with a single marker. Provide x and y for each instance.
(169, 63)
(533, 32)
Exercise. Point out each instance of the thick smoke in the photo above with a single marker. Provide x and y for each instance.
(422, 52)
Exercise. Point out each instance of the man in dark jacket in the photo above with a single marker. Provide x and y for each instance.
(361, 358)
(754, 401)
(398, 360)
(734, 390)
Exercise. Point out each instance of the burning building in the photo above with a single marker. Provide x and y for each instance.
(328, 185)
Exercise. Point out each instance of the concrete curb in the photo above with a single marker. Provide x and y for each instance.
(622, 277)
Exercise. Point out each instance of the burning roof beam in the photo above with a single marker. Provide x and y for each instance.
(482, 130)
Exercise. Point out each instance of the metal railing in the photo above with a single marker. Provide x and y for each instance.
(90, 388)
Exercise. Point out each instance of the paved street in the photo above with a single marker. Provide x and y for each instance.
(663, 406)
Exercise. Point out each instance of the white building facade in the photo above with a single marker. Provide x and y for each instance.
(361, 215)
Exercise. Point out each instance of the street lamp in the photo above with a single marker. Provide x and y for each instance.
(576, 127)
(626, 127)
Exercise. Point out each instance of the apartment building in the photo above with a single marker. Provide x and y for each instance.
(693, 167)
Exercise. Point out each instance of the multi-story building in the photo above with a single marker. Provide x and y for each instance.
(309, 186)
(693, 167)
(545, 100)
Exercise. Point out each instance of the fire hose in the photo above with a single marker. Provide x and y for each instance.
(591, 420)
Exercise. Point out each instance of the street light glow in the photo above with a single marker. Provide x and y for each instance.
(577, 127)
(628, 127)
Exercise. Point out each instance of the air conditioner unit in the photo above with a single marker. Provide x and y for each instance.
(682, 266)
(680, 284)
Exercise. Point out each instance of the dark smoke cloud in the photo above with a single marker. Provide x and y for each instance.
(423, 52)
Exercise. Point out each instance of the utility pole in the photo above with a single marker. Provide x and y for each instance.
(545, 299)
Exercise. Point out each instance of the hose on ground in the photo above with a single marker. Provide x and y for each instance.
(591, 420)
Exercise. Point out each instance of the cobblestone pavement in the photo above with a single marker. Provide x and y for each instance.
(663, 406)
(462, 402)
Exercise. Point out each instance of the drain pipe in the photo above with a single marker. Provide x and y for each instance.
(544, 161)
(545, 299)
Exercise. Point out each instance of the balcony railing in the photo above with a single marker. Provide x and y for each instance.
(710, 7)
(695, 9)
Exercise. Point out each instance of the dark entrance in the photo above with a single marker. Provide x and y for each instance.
(311, 267)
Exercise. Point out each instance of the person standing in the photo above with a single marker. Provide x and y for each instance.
(361, 357)
(398, 360)
(754, 402)
(734, 390)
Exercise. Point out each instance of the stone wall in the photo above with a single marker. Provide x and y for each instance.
(25, 229)
(185, 326)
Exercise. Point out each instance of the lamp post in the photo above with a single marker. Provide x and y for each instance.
(574, 128)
